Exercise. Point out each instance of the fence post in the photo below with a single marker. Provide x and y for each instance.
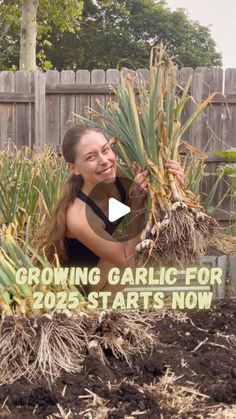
(40, 106)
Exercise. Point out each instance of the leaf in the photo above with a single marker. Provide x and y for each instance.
(227, 154)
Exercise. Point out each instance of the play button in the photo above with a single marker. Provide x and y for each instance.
(111, 202)
(116, 209)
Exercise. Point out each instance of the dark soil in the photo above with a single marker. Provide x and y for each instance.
(191, 373)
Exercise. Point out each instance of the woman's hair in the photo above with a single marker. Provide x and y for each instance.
(53, 241)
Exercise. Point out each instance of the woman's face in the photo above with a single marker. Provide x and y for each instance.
(95, 161)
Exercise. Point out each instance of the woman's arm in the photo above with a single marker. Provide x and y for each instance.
(98, 240)
(129, 249)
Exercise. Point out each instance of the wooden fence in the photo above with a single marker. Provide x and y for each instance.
(37, 108)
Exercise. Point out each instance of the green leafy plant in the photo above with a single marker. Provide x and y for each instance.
(30, 185)
(229, 170)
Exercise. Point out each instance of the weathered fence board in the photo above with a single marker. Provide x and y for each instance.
(23, 110)
(32, 109)
(211, 128)
(112, 76)
(52, 110)
(113, 79)
(212, 81)
(196, 128)
(184, 75)
(98, 77)
(40, 114)
(7, 110)
(229, 119)
(67, 104)
(82, 101)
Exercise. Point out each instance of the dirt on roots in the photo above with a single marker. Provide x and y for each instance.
(190, 373)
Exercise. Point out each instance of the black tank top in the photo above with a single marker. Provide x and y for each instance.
(80, 255)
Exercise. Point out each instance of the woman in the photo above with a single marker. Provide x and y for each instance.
(91, 161)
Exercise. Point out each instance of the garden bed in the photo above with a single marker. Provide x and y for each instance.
(191, 373)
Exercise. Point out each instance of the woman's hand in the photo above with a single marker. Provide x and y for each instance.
(139, 188)
(175, 168)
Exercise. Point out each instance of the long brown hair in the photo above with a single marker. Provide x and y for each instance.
(53, 241)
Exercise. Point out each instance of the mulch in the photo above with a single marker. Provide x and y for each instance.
(189, 373)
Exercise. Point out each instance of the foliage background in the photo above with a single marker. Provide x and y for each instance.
(99, 34)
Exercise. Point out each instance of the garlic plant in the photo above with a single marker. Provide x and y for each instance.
(146, 128)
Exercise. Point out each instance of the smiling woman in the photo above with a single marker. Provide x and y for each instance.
(90, 162)
(94, 161)
(83, 243)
